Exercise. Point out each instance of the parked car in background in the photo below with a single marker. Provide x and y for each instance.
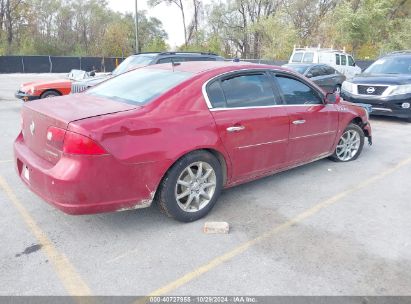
(51, 88)
(179, 134)
(145, 59)
(385, 85)
(338, 59)
(323, 75)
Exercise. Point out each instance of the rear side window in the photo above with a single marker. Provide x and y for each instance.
(337, 59)
(216, 95)
(298, 56)
(140, 86)
(350, 61)
(308, 57)
(295, 92)
(316, 71)
(200, 58)
(164, 60)
(252, 90)
(343, 60)
(329, 70)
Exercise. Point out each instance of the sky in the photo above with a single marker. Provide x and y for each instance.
(169, 15)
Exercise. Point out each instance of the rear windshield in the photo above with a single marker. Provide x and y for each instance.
(298, 68)
(393, 65)
(139, 87)
(131, 62)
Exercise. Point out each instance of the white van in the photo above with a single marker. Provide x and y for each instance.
(341, 61)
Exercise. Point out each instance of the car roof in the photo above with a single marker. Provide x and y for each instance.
(304, 64)
(179, 54)
(199, 67)
(398, 54)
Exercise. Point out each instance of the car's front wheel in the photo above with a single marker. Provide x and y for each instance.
(350, 144)
(191, 187)
(49, 94)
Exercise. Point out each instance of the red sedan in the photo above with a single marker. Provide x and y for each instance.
(179, 134)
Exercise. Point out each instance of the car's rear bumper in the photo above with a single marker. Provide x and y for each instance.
(24, 96)
(88, 184)
(388, 106)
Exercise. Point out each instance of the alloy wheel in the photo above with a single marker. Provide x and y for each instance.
(195, 186)
(348, 145)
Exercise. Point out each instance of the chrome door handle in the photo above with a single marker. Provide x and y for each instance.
(235, 129)
(299, 122)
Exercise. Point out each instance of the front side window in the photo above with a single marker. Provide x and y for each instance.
(140, 86)
(250, 90)
(295, 92)
(337, 59)
(343, 60)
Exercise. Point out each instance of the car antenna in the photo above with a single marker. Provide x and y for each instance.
(173, 64)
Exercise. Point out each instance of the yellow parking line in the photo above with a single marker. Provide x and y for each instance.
(246, 245)
(70, 278)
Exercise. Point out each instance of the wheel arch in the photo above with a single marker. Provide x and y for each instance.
(217, 154)
(358, 121)
(50, 90)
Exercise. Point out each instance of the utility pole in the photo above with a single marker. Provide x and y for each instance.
(136, 21)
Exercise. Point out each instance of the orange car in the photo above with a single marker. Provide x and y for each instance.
(51, 88)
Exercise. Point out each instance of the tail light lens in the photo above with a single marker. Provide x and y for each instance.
(55, 137)
(73, 143)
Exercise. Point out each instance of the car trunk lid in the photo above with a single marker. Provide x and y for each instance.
(40, 115)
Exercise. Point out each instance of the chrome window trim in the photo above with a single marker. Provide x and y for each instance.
(211, 108)
(264, 107)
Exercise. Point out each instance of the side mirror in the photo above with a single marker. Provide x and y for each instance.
(309, 75)
(92, 73)
(332, 98)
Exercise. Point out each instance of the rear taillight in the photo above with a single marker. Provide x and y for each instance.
(55, 137)
(72, 143)
(75, 143)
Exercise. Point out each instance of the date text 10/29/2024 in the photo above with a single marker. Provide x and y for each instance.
(203, 299)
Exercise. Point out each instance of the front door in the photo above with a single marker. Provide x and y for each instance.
(313, 124)
(253, 129)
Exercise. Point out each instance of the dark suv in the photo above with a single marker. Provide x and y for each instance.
(385, 85)
(144, 59)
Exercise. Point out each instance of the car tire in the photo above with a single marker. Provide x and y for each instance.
(349, 145)
(49, 94)
(187, 194)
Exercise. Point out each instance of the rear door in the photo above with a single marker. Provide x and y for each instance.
(313, 124)
(252, 126)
